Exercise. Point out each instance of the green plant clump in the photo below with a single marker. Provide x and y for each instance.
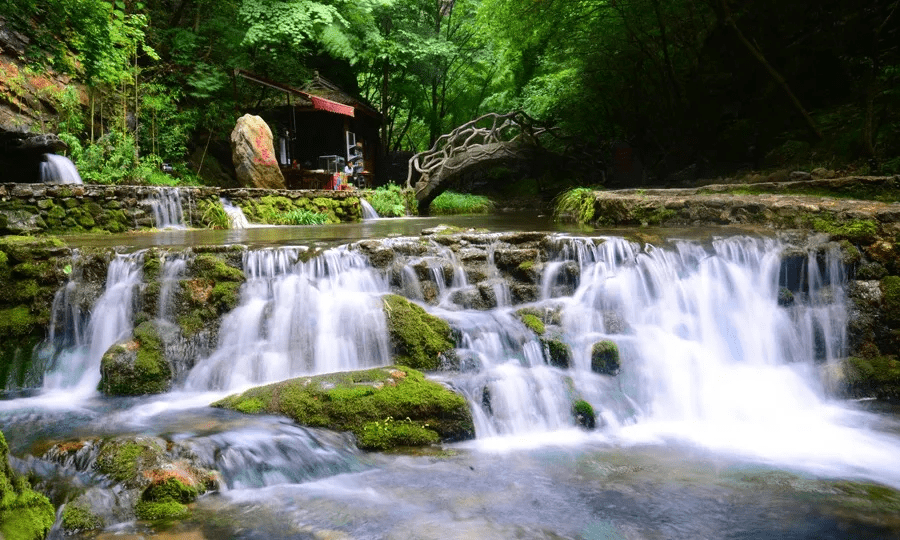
(577, 204)
(387, 200)
(452, 203)
(77, 517)
(302, 217)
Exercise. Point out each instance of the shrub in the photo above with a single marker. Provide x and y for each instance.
(451, 203)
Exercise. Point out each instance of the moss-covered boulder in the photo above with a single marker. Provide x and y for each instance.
(137, 366)
(78, 517)
(212, 290)
(557, 352)
(531, 318)
(383, 407)
(605, 358)
(418, 339)
(584, 414)
(876, 376)
(24, 513)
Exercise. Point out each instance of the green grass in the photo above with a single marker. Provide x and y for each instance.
(576, 204)
(451, 203)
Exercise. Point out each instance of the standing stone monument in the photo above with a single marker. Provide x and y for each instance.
(254, 155)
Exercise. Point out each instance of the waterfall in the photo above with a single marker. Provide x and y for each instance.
(295, 318)
(167, 208)
(236, 216)
(77, 348)
(56, 169)
(368, 212)
(171, 273)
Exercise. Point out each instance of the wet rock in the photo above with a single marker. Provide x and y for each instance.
(556, 351)
(605, 358)
(584, 414)
(253, 154)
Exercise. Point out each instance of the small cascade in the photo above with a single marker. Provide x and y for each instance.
(236, 216)
(167, 208)
(171, 273)
(368, 212)
(75, 348)
(56, 169)
(296, 317)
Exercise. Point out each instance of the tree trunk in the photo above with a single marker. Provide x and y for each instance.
(758, 55)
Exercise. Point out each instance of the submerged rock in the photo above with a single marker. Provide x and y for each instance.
(384, 408)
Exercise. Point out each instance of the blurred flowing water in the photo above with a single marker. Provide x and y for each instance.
(717, 426)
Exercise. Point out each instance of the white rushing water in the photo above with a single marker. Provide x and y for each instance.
(236, 217)
(168, 211)
(368, 211)
(295, 317)
(56, 169)
(75, 366)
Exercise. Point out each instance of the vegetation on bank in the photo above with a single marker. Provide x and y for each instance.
(388, 200)
(452, 203)
(384, 408)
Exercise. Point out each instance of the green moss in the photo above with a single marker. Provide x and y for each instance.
(388, 433)
(890, 290)
(605, 357)
(160, 510)
(171, 489)
(124, 459)
(557, 352)
(29, 248)
(208, 266)
(78, 517)
(358, 401)
(418, 339)
(190, 323)
(16, 322)
(584, 414)
(877, 376)
(532, 322)
(24, 513)
(861, 231)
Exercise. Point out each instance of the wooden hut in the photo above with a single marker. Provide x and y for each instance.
(318, 130)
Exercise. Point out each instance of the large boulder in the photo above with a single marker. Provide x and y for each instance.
(137, 366)
(253, 154)
(384, 407)
(418, 338)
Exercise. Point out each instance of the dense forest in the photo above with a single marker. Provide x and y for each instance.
(695, 88)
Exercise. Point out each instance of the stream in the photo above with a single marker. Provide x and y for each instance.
(718, 426)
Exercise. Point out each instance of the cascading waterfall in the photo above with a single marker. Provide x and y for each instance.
(168, 212)
(172, 271)
(76, 348)
(296, 317)
(236, 216)
(56, 169)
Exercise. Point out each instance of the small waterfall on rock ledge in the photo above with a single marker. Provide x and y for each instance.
(56, 169)
(168, 212)
(368, 211)
(236, 217)
(296, 318)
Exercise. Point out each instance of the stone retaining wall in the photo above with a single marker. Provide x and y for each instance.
(69, 209)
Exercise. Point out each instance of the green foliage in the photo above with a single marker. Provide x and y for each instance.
(213, 214)
(451, 203)
(577, 204)
(302, 217)
(387, 200)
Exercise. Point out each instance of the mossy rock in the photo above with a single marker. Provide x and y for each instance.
(877, 376)
(557, 352)
(124, 459)
(160, 510)
(531, 320)
(383, 407)
(584, 414)
(890, 290)
(418, 339)
(209, 266)
(24, 513)
(605, 358)
(29, 248)
(77, 517)
(136, 367)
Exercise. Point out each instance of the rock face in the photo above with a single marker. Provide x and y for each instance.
(253, 154)
(384, 407)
